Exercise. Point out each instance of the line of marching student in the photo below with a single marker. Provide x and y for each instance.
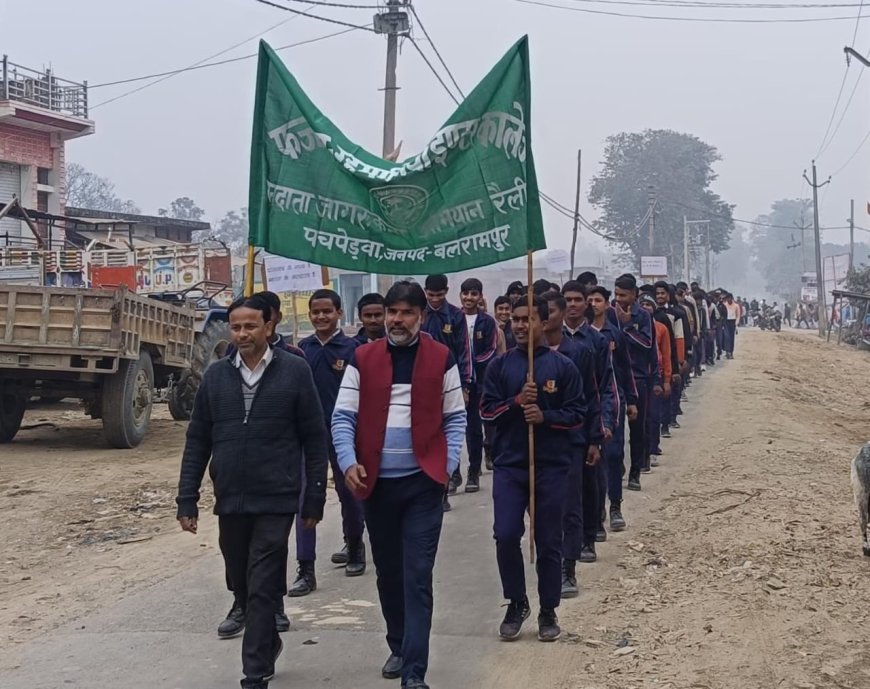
(389, 411)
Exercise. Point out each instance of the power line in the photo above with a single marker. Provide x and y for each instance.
(852, 157)
(695, 4)
(833, 112)
(336, 4)
(714, 20)
(430, 66)
(434, 48)
(168, 75)
(301, 13)
(842, 115)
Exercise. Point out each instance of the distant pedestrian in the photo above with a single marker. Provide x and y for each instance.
(786, 313)
(254, 423)
(732, 318)
(398, 429)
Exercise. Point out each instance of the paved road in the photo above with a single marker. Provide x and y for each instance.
(164, 637)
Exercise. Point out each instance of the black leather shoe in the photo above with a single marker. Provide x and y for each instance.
(600, 535)
(234, 624)
(548, 625)
(487, 459)
(472, 484)
(414, 683)
(445, 504)
(633, 481)
(675, 424)
(305, 582)
(569, 579)
(340, 557)
(617, 521)
(282, 622)
(356, 559)
(454, 483)
(518, 611)
(393, 667)
(587, 553)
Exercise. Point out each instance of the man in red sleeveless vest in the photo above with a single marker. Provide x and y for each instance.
(398, 429)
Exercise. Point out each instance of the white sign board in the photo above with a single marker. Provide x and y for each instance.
(653, 266)
(290, 275)
(558, 261)
(835, 270)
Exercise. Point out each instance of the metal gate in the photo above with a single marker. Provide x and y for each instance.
(10, 184)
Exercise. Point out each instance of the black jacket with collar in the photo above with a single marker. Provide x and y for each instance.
(256, 464)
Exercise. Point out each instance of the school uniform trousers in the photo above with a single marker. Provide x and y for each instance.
(614, 459)
(637, 428)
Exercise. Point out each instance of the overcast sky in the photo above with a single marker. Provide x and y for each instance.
(761, 93)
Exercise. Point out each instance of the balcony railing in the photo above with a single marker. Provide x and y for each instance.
(43, 89)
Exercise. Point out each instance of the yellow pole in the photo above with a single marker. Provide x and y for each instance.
(295, 314)
(249, 271)
(532, 344)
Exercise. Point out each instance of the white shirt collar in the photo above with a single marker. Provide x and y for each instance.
(238, 362)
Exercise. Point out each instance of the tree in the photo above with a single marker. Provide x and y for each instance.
(183, 208)
(232, 230)
(84, 189)
(782, 251)
(678, 168)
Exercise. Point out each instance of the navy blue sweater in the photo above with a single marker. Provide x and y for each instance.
(596, 343)
(560, 398)
(328, 362)
(583, 358)
(447, 326)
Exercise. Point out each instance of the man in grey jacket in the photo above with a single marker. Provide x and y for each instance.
(254, 423)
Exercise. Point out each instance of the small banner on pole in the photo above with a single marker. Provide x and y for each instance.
(469, 199)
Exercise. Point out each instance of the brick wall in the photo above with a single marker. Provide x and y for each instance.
(26, 147)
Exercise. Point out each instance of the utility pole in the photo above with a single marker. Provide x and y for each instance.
(686, 249)
(651, 198)
(820, 283)
(803, 227)
(576, 211)
(707, 275)
(851, 233)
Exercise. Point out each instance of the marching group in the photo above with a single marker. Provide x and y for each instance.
(421, 379)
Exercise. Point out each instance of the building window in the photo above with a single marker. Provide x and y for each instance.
(42, 201)
(42, 174)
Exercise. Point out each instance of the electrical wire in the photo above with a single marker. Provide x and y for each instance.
(833, 112)
(852, 157)
(321, 3)
(695, 4)
(842, 115)
(713, 20)
(301, 13)
(170, 74)
(437, 53)
(430, 66)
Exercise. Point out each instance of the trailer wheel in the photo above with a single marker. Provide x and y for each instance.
(127, 399)
(182, 396)
(210, 346)
(13, 400)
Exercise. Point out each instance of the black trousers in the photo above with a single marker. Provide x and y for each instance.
(404, 517)
(254, 547)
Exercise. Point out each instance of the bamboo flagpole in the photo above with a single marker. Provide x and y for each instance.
(249, 271)
(531, 378)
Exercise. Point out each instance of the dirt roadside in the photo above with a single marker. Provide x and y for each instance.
(742, 566)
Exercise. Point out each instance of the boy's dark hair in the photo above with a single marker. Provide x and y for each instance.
(588, 278)
(557, 299)
(661, 284)
(272, 299)
(436, 283)
(537, 303)
(682, 285)
(330, 294)
(257, 302)
(599, 289)
(407, 291)
(471, 284)
(647, 289)
(626, 281)
(515, 286)
(540, 286)
(501, 300)
(573, 286)
(370, 299)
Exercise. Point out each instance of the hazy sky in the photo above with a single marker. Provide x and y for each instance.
(761, 93)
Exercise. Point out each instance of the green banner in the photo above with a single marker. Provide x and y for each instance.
(469, 199)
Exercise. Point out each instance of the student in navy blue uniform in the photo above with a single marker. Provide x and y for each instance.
(483, 335)
(371, 312)
(581, 501)
(637, 327)
(624, 400)
(446, 324)
(328, 352)
(514, 291)
(553, 403)
(577, 329)
(502, 309)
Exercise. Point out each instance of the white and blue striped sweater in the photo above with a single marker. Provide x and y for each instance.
(397, 456)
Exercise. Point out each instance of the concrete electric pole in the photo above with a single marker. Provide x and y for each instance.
(576, 211)
(820, 282)
(851, 233)
(393, 22)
